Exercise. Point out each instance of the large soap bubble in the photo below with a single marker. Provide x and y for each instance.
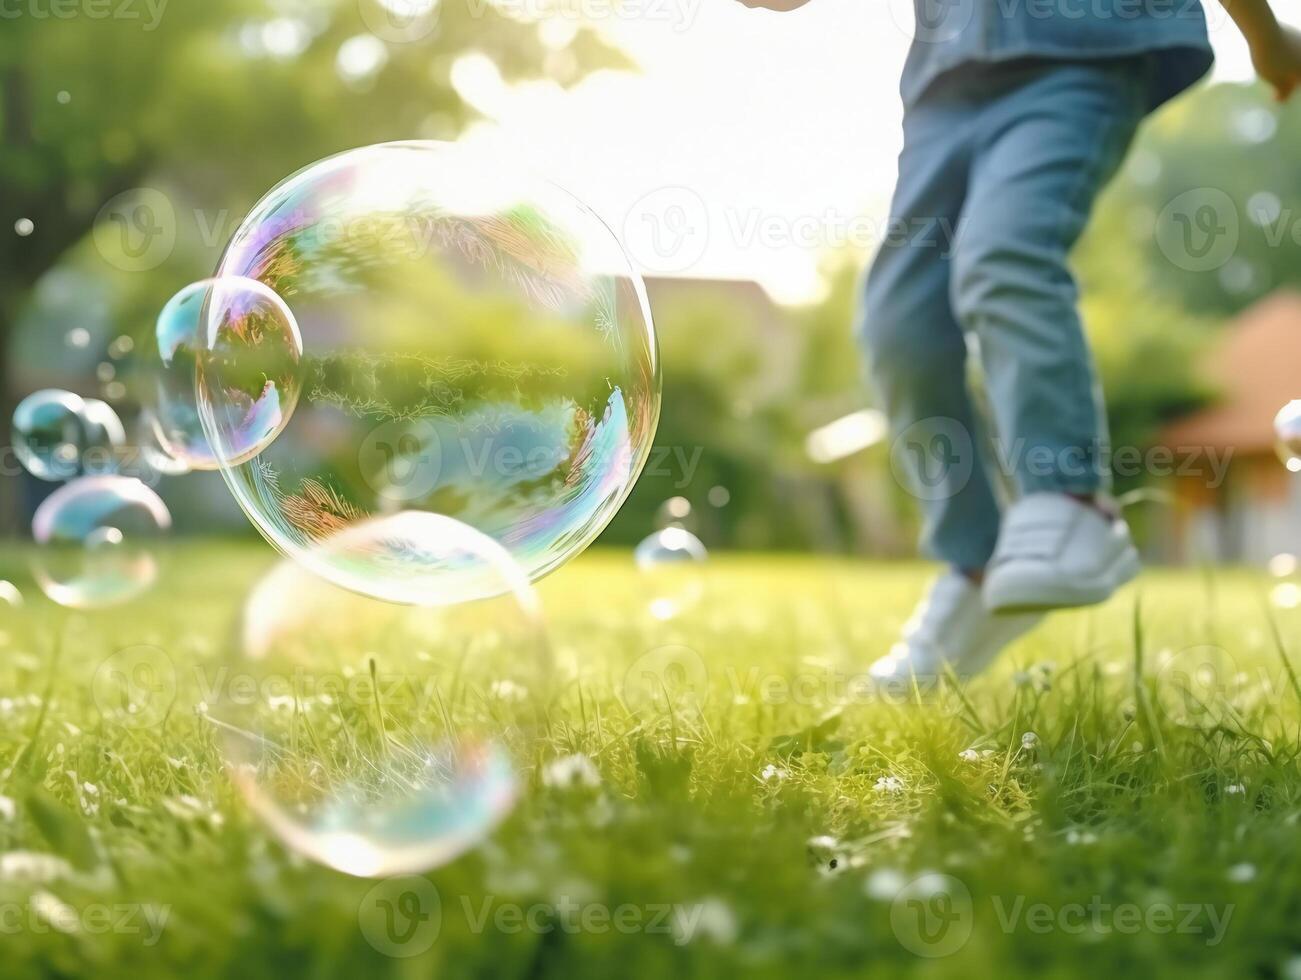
(475, 344)
(377, 738)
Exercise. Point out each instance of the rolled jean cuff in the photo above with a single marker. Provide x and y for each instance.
(970, 551)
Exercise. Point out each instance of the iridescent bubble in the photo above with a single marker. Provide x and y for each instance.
(105, 437)
(1287, 435)
(250, 350)
(476, 344)
(50, 433)
(9, 594)
(670, 561)
(95, 536)
(408, 764)
(153, 456)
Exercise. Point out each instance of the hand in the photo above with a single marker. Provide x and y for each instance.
(776, 4)
(1278, 61)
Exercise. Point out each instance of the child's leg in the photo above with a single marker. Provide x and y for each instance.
(915, 346)
(1048, 146)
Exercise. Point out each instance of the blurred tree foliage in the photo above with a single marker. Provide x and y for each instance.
(209, 105)
(1202, 222)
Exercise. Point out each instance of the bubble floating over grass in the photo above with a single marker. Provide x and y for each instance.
(671, 561)
(96, 538)
(394, 779)
(475, 344)
(233, 343)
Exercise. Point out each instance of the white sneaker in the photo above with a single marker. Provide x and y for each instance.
(951, 630)
(1055, 551)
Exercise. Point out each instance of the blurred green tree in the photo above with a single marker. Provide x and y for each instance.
(212, 103)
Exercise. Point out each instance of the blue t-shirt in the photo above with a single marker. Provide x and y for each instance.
(952, 33)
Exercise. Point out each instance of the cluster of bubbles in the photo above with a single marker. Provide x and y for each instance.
(428, 378)
(95, 531)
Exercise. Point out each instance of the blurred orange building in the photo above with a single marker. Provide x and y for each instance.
(1255, 512)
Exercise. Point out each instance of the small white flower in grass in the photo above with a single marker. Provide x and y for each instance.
(190, 808)
(61, 916)
(710, 918)
(889, 784)
(33, 867)
(571, 771)
(884, 884)
(825, 850)
(1291, 969)
(1235, 789)
(771, 772)
(1085, 837)
(1029, 740)
(508, 690)
(969, 755)
(1242, 873)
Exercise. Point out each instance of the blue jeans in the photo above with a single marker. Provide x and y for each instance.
(999, 172)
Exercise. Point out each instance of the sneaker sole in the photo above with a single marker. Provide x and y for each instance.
(1031, 597)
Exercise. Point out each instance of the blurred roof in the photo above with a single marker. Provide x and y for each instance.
(1257, 369)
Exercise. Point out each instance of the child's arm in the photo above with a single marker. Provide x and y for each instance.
(1275, 49)
(776, 4)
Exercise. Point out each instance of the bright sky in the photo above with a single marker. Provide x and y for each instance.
(750, 143)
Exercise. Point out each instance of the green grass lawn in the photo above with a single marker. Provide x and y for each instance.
(707, 797)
